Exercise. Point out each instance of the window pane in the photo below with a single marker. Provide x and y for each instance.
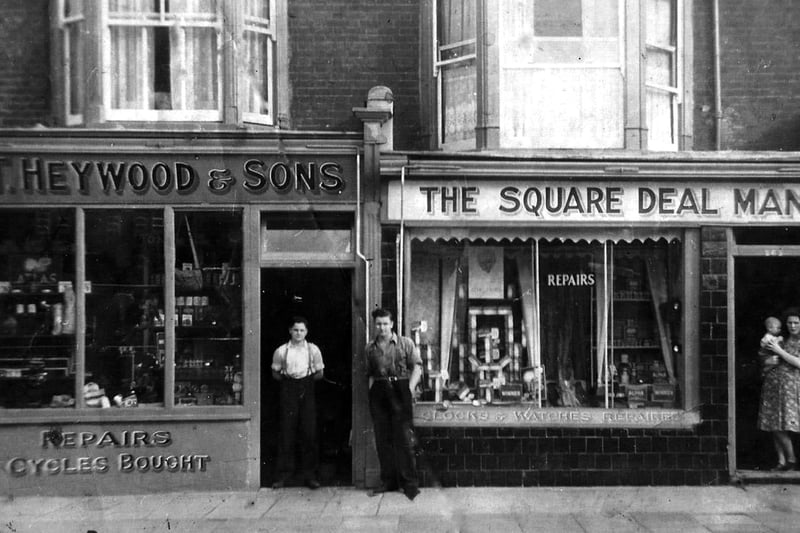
(305, 234)
(548, 99)
(661, 22)
(661, 134)
(459, 101)
(645, 332)
(195, 85)
(73, 8)
(660, 68)
(74, 67)
(165, 68)
(565, 108)
(125, 307)
(456, 20)
(191, 6)
(208, 305)
(561, 18)
(133, 6)
(488, 324)
(257, 8)
(133, 68)
(37, 308)
(567, 282)
(257, 72)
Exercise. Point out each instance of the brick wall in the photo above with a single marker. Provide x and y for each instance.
(24, 63)
(574, 456)
(342, 48)
(760, 75)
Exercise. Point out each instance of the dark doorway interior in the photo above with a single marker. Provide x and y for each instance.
(323, 296)
(764, 287)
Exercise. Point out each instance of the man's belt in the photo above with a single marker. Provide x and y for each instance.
(389, 378)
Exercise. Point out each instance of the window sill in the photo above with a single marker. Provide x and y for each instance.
(18, 417)
(526, 415)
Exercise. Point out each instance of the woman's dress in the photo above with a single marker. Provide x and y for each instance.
(780, 395)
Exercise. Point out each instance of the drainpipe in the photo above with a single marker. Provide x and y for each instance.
(402, 255)
(377, 118)
(359, 253)
(717, 81)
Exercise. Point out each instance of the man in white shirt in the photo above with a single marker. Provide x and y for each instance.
(297, 365)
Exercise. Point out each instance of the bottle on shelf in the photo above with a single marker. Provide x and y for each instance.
(624, 370)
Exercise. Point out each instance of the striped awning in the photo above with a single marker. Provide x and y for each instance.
(611, 234)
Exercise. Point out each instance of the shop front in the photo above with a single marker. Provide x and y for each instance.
(572, 316)
(145, 280)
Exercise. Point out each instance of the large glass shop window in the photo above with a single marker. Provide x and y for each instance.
(124, 308)
(555, 324)
(208, 308)
(37, 308)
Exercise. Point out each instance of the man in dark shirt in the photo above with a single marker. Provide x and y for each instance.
(394, 368)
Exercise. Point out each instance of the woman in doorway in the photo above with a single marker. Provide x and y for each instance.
(779, 412)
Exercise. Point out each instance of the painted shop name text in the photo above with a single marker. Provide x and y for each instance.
(125, 462)
(35, 175)
(560, 201)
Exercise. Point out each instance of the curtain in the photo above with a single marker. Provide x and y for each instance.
(530, 311)
(659, 290)
(603, 299)
(548, 96)
(193, 57)
(457, 24)
(565, 326)
(449, 297)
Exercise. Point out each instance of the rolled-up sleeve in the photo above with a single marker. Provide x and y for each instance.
(316, 359)
(413, 356)
(277, 363)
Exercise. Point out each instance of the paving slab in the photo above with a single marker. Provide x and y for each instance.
(549, 522)
(608, 523)
(659, 522)
(351, 503)
(243, 506)
(727, 523)
(780, 522)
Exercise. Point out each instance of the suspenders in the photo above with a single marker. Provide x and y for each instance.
(285, 355)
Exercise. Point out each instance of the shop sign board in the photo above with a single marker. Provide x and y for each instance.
(519, 201)
(522, 415)
(230, 178)
(113, 457)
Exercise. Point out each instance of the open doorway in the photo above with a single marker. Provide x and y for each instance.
(323, 296)
(764, 287)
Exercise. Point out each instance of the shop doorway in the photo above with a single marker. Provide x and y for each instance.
(323, 296)
(763, 287)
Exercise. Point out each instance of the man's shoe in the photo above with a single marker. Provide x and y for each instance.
(411, 492)
(312, 484)
(381, 489)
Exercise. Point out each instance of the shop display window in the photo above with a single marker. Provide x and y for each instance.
(208, 308)
(37, 308)
(552, 324)
(124, 308)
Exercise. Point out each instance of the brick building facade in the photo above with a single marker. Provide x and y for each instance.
(328, 59)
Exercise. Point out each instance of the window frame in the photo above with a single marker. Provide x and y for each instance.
(686, 366)
(231, 25)
(633, 106)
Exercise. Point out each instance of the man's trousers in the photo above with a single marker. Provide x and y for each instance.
(392, 418)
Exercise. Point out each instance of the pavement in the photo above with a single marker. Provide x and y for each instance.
(742, 508)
